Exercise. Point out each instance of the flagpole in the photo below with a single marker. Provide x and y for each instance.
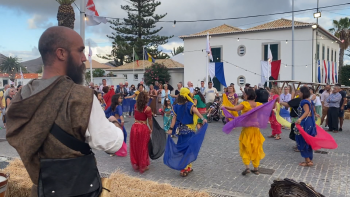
(133, 64)
(207, 81)
(82, 20)
(91, 76)
(143, 48)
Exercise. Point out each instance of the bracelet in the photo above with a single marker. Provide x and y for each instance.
(170, 128)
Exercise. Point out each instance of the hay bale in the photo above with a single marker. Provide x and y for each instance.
(121, 185)
(124, 185)
(19, 184)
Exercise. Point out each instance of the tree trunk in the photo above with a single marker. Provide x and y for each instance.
(341, 64)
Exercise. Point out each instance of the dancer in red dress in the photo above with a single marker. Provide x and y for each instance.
(140, 134)
(275, 126)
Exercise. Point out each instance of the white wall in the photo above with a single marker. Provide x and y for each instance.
(110, 80)
(195, 62)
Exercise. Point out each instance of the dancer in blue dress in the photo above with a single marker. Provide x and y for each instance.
(307, 122)
(116, 110)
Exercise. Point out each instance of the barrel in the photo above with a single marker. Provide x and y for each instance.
(4, 178)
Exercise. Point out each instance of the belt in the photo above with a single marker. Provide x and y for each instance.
(140, 121)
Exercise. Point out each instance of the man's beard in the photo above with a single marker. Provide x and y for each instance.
(74, 71)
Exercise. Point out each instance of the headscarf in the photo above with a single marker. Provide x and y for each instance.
(185, 92)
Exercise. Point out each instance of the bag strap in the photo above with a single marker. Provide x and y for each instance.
(69, 140)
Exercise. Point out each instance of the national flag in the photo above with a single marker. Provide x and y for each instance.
(270, 57)
(136, 58)
(92, 17)
(20, 70)
(216, 69)
(319, 71)
(325, 70)
(333, 72)
(90, 54)
(208, 50)
(149, 57)
(329, 72)
(336, 73)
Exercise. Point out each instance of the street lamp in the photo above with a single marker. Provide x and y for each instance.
(317, 14)
(314, 26)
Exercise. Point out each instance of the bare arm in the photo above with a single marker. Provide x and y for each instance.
(235, 108)
(150, 123)
(285, 104)
(133, 96)
(195, 101)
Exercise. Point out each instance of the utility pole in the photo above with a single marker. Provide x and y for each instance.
(293, 40)
(82, 19)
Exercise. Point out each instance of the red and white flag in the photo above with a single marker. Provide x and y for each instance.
(325, 71)
(209, 48)
(92, 16)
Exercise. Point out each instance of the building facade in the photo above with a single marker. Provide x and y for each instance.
(243, 50)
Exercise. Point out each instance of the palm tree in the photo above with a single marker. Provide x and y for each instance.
(11, 66)
(341, 30)
(65, 14)
(178, 50)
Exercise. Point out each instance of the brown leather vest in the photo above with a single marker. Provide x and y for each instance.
(29, 122)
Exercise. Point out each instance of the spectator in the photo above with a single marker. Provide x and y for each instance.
(133, 99)
(104, 84)
(189, 85)
(262, 95)
(286, 97)
(19, 87)
(126, 86)
(3, 101)
(333, 101)
(100, 99)
(153, 95)
(107, 95)
(156, 85)
(91, 85)
(121, 90)
(169, 86)
(210, 94)
(342, 105)
(8, 99)
(202, 88)
(325, 105)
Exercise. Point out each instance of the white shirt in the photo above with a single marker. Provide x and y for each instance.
(318, 101)
(324, 97)
(101, 87)
(102, 134)
(210, 94)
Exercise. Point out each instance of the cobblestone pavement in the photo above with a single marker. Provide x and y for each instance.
(219, 166)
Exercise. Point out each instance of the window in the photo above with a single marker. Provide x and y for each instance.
(241, 50)
(318, 51)
(332, 56)
(327, 54)
(125, 76)
(274, 51)
(335, 56)
(136, 77)
(323, 51)
(241, 81)
(216, 54)
(4, 82)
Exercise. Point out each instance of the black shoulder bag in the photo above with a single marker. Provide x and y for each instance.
(72, 177)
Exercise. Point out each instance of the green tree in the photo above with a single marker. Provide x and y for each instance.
(345, 75)
(87, 77)
(110, 74)
(98, 72)
(341, 30)
(178, 50)
(11, 66)
(136, 31)
(156, 72)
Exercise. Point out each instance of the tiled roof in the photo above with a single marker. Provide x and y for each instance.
(226, 29)
(96, 64)
(281, 23)
(218, 30)
(169, 63)
(25, 75)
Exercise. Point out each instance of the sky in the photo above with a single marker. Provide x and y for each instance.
(23, 21)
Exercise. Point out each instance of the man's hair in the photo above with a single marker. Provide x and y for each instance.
(103, 79)
(202, 81)
(210, 82)
(338, 84)
(49, 41)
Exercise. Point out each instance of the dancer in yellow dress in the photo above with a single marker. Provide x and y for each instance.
(251, 140)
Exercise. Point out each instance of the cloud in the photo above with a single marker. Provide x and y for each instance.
(100, 51)
(39, 21)
(23, 55)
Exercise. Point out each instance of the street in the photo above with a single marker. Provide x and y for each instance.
(219, 166)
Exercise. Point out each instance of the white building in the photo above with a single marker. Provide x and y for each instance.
(133, 73)
(96, 65)
(245, 48)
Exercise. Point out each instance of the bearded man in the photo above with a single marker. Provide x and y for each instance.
(59, 103)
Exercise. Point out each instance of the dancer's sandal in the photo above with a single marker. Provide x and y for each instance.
(271, 136)
(306, 164)
(189, 170)
(246, 171)
(255, 172)
(183, 173)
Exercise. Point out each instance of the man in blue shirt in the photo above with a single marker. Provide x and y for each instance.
(202, 88)
(341, 109)
(334, 100)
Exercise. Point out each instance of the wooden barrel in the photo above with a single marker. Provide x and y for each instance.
(3, 184)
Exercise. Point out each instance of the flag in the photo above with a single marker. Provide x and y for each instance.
(270, 57)
(92, 17)
(319, 71)
(90, 54)
(216, 69)
(264, 71)
(325, 70)
(149, 57)
(329, 72)
(20, 69)
(333, 72)
(336, 75)
(136, 58)
(275, 68)
(208, 50)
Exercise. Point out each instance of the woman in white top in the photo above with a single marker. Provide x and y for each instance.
(316, 100)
